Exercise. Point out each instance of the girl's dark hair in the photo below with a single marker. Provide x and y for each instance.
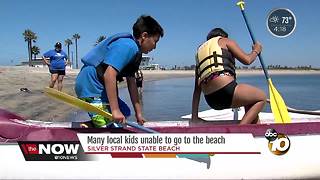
(217, 32)
(146, 24)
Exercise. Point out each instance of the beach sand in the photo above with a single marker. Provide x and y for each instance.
(36, 105)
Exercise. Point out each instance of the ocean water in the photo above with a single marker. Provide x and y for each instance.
(170, 99)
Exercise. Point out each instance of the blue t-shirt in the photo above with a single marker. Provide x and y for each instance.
(118, 54)
(57, 59)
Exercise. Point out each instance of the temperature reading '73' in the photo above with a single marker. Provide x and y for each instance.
(285, 20)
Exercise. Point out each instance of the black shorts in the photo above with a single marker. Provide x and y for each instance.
(59, 72)
(222, 99)
(139, 84)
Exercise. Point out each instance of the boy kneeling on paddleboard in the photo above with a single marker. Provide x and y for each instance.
(110, 61)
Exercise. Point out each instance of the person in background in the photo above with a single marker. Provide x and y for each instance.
(215, 76)
(113, 59)
(56, 60)
(139, 80)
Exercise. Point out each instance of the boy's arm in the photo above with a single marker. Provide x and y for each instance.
(110, 82)
(133, 90)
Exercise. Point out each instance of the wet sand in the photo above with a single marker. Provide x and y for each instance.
(37, 106)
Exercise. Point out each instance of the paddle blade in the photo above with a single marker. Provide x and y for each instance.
(75, 102)
(66, 98)
(278, 106)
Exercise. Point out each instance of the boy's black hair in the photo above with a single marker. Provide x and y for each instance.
(217, 32)
(147, 24)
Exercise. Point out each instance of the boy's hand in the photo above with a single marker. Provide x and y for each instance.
(140, 119)
(118, 116)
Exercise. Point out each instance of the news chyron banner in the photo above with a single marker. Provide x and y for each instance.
(152, 145)
(138, 146)
(53, 151)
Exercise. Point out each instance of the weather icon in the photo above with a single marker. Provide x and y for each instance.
(274, 19)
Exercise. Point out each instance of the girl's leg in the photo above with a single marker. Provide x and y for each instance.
(252, 98)
(247, 108)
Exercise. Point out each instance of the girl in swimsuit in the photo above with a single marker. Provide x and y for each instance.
(221, 90)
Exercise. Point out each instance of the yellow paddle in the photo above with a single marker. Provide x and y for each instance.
(278, 106)
(66, 98)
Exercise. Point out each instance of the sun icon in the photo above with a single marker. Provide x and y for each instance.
(274, 19)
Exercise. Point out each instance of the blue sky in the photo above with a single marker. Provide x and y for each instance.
(185, 22)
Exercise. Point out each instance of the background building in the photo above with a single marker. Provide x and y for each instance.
(147, 65)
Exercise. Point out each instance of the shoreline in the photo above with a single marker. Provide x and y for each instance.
(37, 106)
(166, 73)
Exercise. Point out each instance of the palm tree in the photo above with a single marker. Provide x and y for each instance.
(76, 37)
(35, 51)
(100, 38)
(29, 37)
(67, 43)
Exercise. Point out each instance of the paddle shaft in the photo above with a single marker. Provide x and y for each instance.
(142, 128)
(254, 41)
(300, 111)
(278, 106)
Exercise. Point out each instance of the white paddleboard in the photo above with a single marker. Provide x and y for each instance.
(265, 117)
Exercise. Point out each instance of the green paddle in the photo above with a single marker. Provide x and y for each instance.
(66, 98)
(278, 106)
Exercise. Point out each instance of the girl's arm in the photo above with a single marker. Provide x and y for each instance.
(195, 98)
(241, 55)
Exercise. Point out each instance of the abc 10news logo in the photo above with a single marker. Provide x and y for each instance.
(279, 144)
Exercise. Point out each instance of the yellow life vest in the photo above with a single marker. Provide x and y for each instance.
(211, 58)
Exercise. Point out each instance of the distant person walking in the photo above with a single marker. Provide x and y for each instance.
(215, 76)
(56, 60)
(139, 81)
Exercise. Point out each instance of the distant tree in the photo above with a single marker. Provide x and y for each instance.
(29, 37)
(76, 37)
(67, 43)
(186, 68)
(253, 67)
(35, 51)
(100, 38)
